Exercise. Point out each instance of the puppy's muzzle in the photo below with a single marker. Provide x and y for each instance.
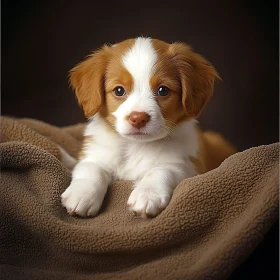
(138, 119)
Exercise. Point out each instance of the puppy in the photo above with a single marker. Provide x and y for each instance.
(142, 97)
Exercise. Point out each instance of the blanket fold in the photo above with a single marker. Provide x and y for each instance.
(213, 222)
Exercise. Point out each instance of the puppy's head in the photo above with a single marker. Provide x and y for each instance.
(144, 87)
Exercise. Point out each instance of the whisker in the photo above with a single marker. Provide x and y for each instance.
(168, 130)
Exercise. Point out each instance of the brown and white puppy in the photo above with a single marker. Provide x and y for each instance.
(142, 97)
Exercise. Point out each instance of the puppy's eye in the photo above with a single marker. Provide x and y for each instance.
(163, 91)
(119, 91)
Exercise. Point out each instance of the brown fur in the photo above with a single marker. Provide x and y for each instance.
(213, 150)
(116, 75)
(88, 77)
(189, 77)
(197, 77)
(166, 74)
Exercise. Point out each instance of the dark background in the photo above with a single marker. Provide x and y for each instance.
(43, 40)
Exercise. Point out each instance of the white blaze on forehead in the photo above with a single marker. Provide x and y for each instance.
(139, 62)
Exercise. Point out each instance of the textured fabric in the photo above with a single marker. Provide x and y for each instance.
(211, 225)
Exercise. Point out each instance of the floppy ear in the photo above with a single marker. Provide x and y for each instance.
(87, 80)
(197, 78)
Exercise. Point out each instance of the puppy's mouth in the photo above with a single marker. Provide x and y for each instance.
(143, 136)
(138, 136)
(136, 133)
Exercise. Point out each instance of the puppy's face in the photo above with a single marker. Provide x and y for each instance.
(144, 87)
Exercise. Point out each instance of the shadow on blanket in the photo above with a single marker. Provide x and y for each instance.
(211, 225)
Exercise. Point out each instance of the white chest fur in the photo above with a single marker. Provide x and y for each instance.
(130, 160)
(156, 167)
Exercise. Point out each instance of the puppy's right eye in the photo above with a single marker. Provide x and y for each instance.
(119, 91)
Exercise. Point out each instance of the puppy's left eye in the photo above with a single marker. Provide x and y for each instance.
(163, 91)
(119, 91)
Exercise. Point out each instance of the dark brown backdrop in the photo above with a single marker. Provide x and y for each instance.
(43, 40)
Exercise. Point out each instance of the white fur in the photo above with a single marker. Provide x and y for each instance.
(155, 162)
(139, 62)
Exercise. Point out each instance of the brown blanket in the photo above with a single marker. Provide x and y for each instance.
(211, 225)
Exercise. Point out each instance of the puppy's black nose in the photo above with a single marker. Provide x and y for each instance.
(138, 119)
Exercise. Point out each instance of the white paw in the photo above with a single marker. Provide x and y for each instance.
(82, 198)
(147, 202)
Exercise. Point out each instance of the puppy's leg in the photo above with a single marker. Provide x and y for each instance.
(66, 159)
(86, 192)
(152, 194)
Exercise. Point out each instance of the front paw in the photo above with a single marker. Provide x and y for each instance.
(82, 198)
(148, 202)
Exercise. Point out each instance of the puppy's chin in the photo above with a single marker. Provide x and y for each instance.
(144, 137)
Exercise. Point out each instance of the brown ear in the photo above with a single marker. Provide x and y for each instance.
(87, 79)
(197, 78)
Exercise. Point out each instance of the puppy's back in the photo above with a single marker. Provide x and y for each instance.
(213, 150)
